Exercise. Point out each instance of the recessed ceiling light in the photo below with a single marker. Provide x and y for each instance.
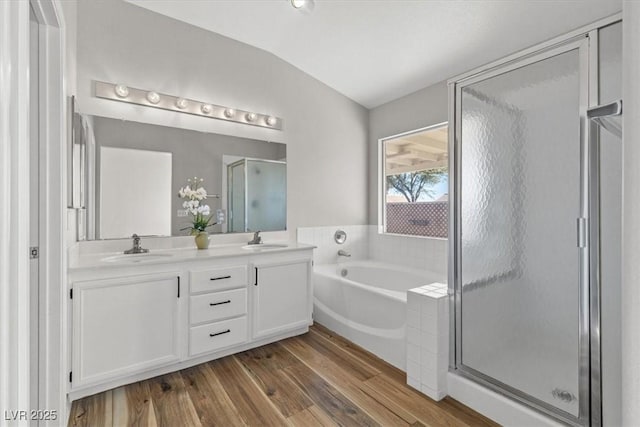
(305, 6)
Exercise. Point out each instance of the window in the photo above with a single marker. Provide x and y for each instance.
(415, 183)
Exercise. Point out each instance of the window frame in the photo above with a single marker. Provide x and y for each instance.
(381, 178)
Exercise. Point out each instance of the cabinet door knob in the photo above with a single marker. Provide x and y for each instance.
(219, 303)
(220, 278)
(220, 333)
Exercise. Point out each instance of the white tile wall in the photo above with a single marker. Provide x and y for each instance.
(428, 339)
(364, 242)
(415, 252)
(326, 251)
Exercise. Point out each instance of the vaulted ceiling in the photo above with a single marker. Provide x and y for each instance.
(374, 51)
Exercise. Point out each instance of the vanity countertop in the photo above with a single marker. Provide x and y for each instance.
(169, 256)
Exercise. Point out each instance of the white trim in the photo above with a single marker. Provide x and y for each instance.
(14, 207)
(53, 302)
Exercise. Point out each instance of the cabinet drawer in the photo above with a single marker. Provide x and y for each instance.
(217, 279)
(216, 336)
(217, 305)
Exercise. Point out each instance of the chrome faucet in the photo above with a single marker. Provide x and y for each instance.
(256, 239)
(137, 249)
(343, 253)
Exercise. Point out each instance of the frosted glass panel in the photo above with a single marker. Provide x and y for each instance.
(236, 197)
(266, 196)
(520, 197)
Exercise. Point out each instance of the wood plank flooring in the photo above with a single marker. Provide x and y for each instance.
(316, 379)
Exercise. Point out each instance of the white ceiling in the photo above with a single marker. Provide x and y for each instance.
(377, 51)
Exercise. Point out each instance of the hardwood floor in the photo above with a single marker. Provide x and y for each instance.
(317, 379)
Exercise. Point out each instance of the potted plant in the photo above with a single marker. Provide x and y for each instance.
(193, 195)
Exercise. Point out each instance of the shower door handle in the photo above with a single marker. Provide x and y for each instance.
(582, 228)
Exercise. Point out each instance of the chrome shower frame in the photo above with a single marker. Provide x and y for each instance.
(586, 41)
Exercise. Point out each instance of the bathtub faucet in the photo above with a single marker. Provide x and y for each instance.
(343, 253)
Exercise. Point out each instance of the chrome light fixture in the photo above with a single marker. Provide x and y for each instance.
(147, 98)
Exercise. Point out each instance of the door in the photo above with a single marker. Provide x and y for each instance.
(521, 267)
(123, 326)
(281, 296)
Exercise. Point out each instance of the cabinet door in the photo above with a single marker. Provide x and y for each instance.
(124, 326)
(281, 297)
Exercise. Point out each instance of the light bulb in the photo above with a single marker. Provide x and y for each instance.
(206, 108)
(304, 6)
(181, 103)
(250, 117)
(271, 120)
(229, 113)
(153, 97)
(121, 91)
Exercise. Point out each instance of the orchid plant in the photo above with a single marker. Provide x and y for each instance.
(194, 194)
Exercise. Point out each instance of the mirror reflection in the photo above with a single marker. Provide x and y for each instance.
(134, 172)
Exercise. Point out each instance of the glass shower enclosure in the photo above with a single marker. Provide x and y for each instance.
(257, 195)
(525, 231)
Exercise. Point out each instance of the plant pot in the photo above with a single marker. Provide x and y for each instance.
(202, 240)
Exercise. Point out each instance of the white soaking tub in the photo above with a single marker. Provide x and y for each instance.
(366, 302)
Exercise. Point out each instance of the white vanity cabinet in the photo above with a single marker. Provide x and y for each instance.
(217, 308)
(134, 322)
(282, 295)
(124, 325)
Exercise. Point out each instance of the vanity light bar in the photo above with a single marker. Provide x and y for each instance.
(122, 93)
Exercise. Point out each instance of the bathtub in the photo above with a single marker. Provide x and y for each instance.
(365, 302)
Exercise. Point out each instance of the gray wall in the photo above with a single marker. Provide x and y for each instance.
(325, 132)
(193, 153)
(423, 108)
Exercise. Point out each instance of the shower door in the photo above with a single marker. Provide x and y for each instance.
(520, 243)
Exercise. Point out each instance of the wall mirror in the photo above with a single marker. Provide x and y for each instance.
(130, 174)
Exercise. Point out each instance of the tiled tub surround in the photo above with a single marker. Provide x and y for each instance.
(326, 252)
(424, 253)
(365, 242)
(428, 339)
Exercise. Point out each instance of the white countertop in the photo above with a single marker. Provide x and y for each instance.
(173, 255)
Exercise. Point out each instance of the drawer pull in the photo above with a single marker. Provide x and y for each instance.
(220, 333)
(219, 303)
(220, 278)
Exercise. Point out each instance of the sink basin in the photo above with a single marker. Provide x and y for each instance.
(264, 246)
(135, 258)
